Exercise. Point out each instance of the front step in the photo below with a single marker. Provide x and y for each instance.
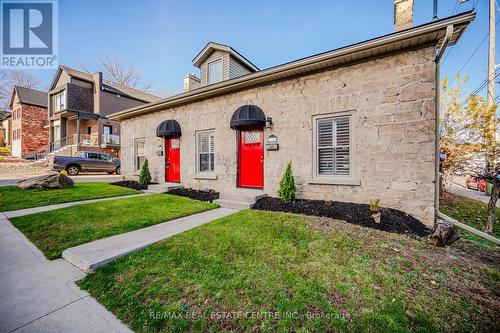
(161, 188)
(233, 204)
(239, 199)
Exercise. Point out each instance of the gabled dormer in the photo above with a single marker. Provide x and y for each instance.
(218, 62)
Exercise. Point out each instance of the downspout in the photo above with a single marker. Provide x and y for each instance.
(438, 214)
(439, 55)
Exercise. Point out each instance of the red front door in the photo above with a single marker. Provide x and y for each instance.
(172, 160)
(251, 158)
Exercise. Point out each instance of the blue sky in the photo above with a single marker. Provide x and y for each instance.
(162, 37)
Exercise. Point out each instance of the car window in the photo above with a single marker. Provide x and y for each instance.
(105, 157)
(79, 154)
(93, 156)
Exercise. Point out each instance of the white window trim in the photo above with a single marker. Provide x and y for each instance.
(352, 178)
(58, 106)
(221, 68)
(136, 169)
(204, 174)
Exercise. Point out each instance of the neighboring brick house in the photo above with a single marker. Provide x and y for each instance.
(5, 120)
(28, 132)
(79, 104)
(357, 123)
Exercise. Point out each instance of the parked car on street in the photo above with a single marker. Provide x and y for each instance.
(87, 161)
(475, 183)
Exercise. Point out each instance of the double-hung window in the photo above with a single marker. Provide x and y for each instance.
(60, 100)
(334, 148)
(205, 147)
(215, 71)
(140, 153)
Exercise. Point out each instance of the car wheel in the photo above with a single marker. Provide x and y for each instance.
(73, 170)
(117, 170)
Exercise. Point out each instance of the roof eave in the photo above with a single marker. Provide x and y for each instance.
(281, 70)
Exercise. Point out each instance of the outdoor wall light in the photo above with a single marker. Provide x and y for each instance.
(269, 122)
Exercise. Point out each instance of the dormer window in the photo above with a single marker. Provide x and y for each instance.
(215, 71)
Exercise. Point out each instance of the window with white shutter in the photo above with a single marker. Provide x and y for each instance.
(206, 150)
(333, 146)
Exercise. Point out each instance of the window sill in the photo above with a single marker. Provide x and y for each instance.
(335, 181)
(209, 176)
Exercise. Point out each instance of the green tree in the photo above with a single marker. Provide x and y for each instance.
(287, 188)
(145, 176)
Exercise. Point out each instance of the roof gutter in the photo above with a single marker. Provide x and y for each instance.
(438, 214)
(279, 71)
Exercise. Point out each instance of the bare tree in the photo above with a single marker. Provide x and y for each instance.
(9, 79)
(117, 71)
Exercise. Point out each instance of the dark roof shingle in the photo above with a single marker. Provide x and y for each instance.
(31, 96)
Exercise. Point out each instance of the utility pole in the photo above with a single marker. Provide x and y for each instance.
(490, 141)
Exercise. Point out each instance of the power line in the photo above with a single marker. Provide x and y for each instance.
(473, 53)
(480, 87)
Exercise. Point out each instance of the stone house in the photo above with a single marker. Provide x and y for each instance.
(28, 132)
(79, 104)
(357, 123)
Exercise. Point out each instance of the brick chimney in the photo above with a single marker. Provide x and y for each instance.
(191, 82)
(403, 14)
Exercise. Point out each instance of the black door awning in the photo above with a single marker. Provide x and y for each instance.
(248, 115)
(169, 128)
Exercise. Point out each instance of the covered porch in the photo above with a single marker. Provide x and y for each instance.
(82, 129)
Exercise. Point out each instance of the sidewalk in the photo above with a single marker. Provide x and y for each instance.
(92, 255)
(40, 295)
(457, 188)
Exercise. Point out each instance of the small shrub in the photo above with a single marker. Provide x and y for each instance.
(145, 176)
(287, 188)
(374, 206)
(64, 172)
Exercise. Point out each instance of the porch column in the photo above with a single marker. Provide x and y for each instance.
(78, 129)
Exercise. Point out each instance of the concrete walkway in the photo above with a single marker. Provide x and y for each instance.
(29, 211)
(38, 295)
(91, 255)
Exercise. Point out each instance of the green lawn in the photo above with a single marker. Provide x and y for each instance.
(258, 271)
(13, 198)
(54, 231)
(470, 212)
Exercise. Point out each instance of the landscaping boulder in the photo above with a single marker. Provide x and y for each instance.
(444, 234)
(53, 180)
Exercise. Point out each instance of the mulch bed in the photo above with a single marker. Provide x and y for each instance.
(209, 195)
(392, 220)
(130, 184)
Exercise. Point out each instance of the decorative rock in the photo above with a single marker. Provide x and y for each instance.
(444, 234)
(53, 180)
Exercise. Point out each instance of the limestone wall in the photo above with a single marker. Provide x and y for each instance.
(392, 100)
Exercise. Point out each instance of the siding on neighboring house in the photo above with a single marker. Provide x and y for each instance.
(236, 69)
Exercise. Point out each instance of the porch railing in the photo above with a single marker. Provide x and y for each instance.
(111, 139)
(91, 140)
(85, 140)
